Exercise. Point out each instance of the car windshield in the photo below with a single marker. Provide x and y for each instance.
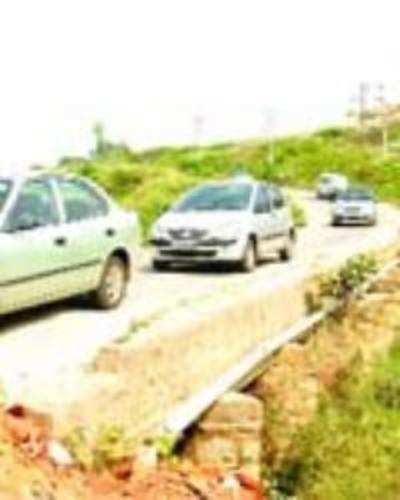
(5, 187)
(328, 179)
(356, 195)
(217, 197)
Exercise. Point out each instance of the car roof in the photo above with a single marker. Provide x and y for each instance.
(242, 179)
(331, 175)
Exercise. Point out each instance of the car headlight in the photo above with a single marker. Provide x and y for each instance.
(159, 231)
(338, 209)
(369, 209)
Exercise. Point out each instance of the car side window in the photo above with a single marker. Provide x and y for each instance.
(278, 201)
(35, 207)
(262, 201)
(81, 201)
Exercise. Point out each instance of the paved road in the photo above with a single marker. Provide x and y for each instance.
(44, 352)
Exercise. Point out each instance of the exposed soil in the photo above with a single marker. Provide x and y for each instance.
(27, 472)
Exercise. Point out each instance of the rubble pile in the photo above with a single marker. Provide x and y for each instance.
(33, 466)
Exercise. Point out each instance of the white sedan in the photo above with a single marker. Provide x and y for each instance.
(355, 206)
(238, 221)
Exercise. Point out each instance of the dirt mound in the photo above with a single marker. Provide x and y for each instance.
(28, 471)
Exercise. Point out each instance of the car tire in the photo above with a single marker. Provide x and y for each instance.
(160, 265)
(249, 260)
(113, 284)
(286, 253)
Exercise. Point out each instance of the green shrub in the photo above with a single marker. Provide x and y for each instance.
(353, 274)
(298, 214)
(110, 445)
(352, 448)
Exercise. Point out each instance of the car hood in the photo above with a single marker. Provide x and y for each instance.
(364, 205)
(202, 220)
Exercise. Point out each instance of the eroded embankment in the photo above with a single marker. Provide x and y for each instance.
(293, 392)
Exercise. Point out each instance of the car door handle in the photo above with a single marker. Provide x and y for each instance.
(110, 232)
(61, 241)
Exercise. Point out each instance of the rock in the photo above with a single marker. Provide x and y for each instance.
(58, 454)
(146, 457)
(28, 429)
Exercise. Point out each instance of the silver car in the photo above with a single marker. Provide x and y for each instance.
(239, 221)
(61, 236)
(355, 206)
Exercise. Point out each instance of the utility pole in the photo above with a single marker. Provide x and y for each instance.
(383, 117)
(363, 93)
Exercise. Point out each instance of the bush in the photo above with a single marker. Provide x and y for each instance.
(351, 450)
(351, 276)
(298, 214)
(110, 445)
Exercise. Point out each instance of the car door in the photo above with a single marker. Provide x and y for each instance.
(31, 254)
(263, 221)
(280, 216)
(89, 232)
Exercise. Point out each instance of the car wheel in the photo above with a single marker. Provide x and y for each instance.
(113, 284)
(160, 265)
(250, 258)
(286, 253)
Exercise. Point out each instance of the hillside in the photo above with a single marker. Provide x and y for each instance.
(150, 181)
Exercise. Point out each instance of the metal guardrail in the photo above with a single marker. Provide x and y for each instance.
(250, 366)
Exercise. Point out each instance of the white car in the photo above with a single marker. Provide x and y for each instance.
(329, 186)
(355, 206)
(239, 221)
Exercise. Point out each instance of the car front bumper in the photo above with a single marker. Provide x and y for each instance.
(355, 219)
(220, 251)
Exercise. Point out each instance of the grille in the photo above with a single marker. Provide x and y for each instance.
(188, 253)
(187, 234)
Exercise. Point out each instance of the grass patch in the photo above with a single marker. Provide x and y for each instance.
(352, 449)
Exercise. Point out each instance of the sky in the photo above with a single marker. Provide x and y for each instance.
(146, 68)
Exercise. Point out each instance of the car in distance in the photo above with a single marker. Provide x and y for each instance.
(356, 205)
(238, 221)
(329, 186)
(62, 236)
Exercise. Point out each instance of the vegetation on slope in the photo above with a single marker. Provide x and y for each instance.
(150, 181)
(352, 449)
